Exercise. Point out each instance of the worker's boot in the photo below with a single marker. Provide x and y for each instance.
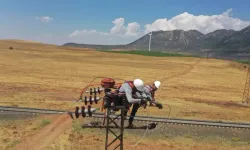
(130, 125)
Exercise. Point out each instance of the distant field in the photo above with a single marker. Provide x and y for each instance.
(147, 53)
(160, 54)
(243, 61)
(48, 76)
(41, 75)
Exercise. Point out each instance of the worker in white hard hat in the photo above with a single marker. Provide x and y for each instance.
(149, 90)
(127, 92)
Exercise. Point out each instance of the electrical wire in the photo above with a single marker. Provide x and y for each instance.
(90, 84)
(147, 129)
(164, 127)
(144, 131)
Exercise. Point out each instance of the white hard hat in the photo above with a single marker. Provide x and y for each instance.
(139, 84)
(157, 84)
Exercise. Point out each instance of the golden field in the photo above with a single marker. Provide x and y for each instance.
(48, 76)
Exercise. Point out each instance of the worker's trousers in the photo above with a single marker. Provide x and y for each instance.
(136, 106)
(125, 103)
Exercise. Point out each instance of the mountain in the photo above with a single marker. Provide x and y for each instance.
(211, 39)
(239, 41)
(221, 43)
(176, 40)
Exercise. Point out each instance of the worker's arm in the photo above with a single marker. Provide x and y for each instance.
(128, 92)
(144, 95)
(147, 94)
(153, 96)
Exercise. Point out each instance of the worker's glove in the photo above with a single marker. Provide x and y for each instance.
(159, 105)
(143, 102)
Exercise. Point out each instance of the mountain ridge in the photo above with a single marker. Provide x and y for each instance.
(220, 42)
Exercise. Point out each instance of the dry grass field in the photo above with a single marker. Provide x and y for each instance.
(47, 76)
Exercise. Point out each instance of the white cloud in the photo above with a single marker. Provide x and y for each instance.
(44, 19)
(228, 12)
(94, 37)
(122, 34)
(118, 34)
(119, 28)
(86, 33)
(132, 29)
(202, 23)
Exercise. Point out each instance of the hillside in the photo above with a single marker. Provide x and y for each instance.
(239, 41)
(176, 40)
(223, 43)
(210, 40)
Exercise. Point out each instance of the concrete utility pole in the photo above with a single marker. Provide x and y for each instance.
(149, 44)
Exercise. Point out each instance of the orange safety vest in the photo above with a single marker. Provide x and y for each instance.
(151, 91)
(131, 84)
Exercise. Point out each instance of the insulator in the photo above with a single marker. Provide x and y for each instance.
(85, 100)
(90, 100)
(90, 91)
(89, 111)
(98, 90)
(95, 99)
(83, 112)
(76, 112)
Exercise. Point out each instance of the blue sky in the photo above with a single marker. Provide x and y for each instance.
(92, 21)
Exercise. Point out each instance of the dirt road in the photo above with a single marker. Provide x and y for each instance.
(47, 135)
(186, 71)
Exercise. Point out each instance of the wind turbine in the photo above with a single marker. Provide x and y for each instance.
(149, 44)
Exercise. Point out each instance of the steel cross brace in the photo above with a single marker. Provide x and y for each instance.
(109, 128)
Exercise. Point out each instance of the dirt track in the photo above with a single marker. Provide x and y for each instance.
(46, 135)
(186, 71)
